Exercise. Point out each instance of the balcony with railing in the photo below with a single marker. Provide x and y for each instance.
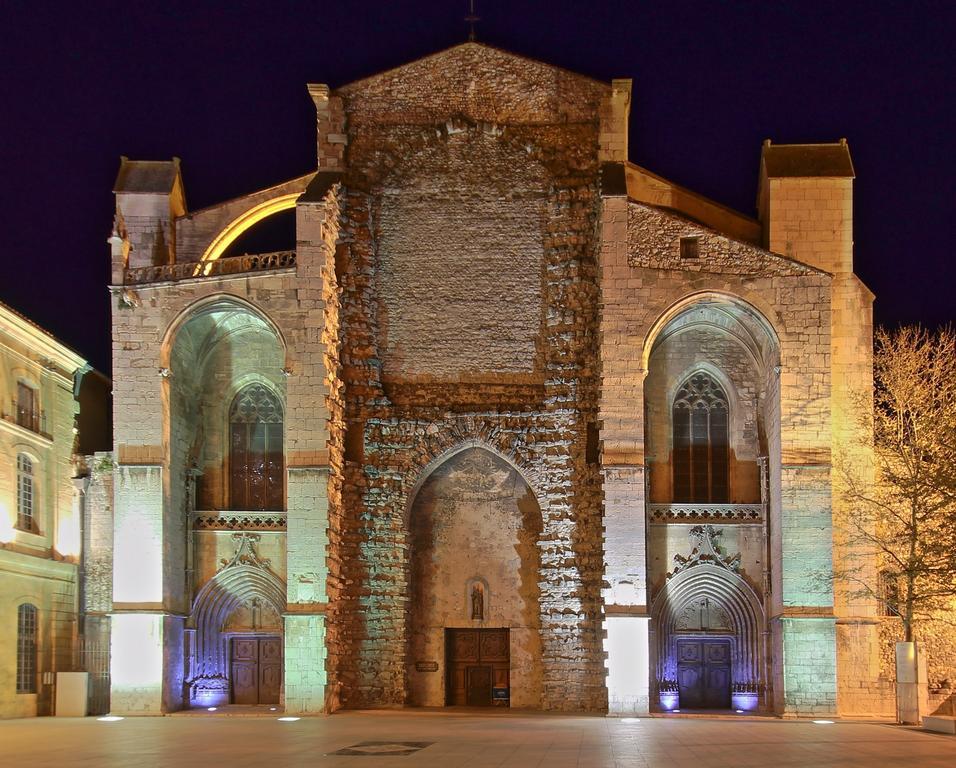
(228, 265)
(705, 512)
(30, 419)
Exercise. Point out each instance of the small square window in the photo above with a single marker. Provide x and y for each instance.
(690, 248)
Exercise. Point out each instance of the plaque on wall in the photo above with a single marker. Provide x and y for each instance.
(426, 666)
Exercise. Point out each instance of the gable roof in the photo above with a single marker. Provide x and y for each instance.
(808, 160)
(462, 53)
(146, 176)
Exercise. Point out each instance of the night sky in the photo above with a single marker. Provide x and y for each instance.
(222, 85)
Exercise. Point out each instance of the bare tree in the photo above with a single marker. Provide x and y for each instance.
(903, 507)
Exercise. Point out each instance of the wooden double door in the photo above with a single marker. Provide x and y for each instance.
(703, 673)
(256, 668)
(477, 662)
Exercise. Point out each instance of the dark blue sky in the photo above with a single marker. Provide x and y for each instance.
(222, 85)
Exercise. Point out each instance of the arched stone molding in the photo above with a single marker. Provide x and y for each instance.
(201, 376)
(743, 623)
(442, 452)
(237, 584)
(733, 310)
(217, 303)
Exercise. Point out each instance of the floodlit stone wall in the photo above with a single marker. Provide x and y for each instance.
(645, 282)
(155, 409)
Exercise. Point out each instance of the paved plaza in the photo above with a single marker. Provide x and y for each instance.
(420, 739)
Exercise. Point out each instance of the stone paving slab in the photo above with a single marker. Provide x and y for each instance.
(465, 740)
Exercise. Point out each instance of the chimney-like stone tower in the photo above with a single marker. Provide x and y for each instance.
(149, 197)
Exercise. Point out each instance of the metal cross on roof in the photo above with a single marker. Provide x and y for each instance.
(471, 18)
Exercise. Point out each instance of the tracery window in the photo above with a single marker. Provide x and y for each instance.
(25, 494)
(27, 648)
(256, 461)
(701, 444)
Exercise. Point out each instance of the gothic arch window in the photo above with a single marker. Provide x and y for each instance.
(256, 461)
(27, 648)
(26, 494)
(701, 441)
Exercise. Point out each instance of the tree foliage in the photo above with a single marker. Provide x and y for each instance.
(904, 506)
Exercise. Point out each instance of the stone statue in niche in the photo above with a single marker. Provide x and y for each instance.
(477, 602)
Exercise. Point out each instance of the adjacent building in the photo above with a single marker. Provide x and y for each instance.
(40, 513)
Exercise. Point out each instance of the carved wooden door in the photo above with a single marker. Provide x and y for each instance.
(245, 670)
(478, 667)
(703, 673)
(256, 670)
(270, 669)
(478, 686)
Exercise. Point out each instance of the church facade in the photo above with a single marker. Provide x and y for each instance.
(517, 423)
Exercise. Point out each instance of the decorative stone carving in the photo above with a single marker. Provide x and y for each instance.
(703, 615)
(476, 599)
(478, 475)
(240, 521)
(686, 513)
(705, 550)
(245, 554)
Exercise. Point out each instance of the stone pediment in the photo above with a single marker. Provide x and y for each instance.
(654, 240)
(478, 82)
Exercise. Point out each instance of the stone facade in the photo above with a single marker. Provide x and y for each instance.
(475, 357)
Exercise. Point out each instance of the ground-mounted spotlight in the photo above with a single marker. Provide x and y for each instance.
(630, 720)
(288, 719)
(739, 711)
(272, 709)
(210, 709)
(676, 711)
(109, 719)
(823, 722)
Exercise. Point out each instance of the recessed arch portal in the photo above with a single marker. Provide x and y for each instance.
(251, 589)
(708, 601)
(212, 350)
(474, 565)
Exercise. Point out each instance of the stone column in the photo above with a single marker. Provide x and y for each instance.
(308, 521)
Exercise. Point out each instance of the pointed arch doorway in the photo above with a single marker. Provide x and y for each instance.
(474, 614)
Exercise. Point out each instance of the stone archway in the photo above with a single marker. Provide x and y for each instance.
(474, 572)
(705, 601)
(244, 599)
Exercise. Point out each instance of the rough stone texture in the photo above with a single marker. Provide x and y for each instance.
(535, 411)
(98, 537)
(460, 298)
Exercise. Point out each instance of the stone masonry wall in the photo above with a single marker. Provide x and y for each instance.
(643, 277)
(533, 406)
